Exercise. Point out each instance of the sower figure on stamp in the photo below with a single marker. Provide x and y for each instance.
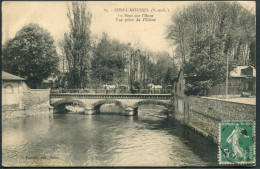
(234, 139)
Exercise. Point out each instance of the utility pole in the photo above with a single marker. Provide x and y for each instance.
(226, 95)
(227, 79)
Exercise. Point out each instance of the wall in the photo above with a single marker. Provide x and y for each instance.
(23, 101)
(36, 98)
(236, 86)
(15, 113)
(12, 92)
(179, 85)
(204, 114)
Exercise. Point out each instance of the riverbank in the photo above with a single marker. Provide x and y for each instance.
(29, 103)
(17, 113)
(204, 114)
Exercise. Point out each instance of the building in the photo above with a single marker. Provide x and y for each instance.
(245, 78)
(18, 100)
(241, 79)
(179, 85)
(13, 88)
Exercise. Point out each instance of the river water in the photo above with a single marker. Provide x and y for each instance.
(103, 140)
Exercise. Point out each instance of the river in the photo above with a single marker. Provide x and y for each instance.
(103, 140)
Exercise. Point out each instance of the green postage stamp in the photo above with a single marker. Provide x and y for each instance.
(237, 142)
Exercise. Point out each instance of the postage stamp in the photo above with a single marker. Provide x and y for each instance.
(237, 142)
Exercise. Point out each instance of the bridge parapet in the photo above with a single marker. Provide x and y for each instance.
(113, 91)
(112, 96)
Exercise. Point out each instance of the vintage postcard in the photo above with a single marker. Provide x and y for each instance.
(128, 83)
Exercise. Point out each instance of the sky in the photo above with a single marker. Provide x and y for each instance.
(52, 15)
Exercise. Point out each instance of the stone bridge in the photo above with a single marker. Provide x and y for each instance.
(128, 102)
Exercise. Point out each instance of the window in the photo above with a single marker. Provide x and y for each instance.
(8, 89)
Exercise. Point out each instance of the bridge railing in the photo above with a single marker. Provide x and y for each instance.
(112, 91)
(111, 96)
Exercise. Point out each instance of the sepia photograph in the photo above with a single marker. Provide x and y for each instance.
(128, 83)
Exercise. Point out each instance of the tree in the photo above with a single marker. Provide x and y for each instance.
(208, 68)
(169, 75)
(229, 21)
(206, 34)
(163, 70)
(31, 54)
(77, 45)
(109, 61)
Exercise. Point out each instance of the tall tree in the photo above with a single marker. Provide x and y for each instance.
(229, 21)
(162, 70)
(78, 45)
(108, 64)
(30, 54)
(167, 67)
(209, 32)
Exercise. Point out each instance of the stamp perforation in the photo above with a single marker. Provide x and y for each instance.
(220, 150)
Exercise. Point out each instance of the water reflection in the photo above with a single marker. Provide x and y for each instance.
(103, 140)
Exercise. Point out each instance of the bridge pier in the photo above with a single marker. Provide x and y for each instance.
(89, 110)
(129, 111)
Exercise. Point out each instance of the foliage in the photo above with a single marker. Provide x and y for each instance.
(30, 54)
(163, 70)
(206, 34)
(169, 75)
(136, 86)
(108, 64)
(208, 68)
(77, 45)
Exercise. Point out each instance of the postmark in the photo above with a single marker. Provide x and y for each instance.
(237, 142)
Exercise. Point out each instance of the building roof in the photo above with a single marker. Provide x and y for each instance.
(241, 71)
(8, 76)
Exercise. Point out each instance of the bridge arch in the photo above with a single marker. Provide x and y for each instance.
(68, 101)
(99, 103)
(156, 102)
